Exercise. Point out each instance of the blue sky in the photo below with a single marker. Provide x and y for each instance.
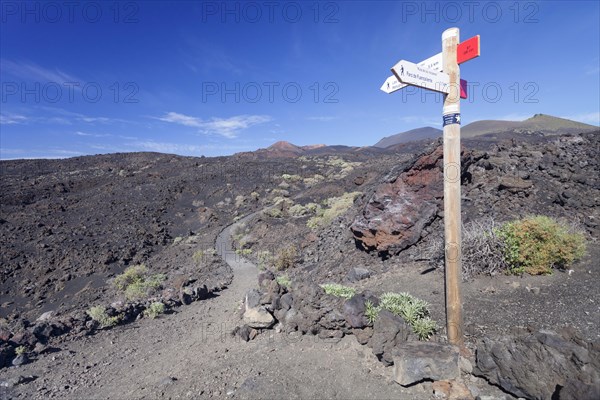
(216, 78)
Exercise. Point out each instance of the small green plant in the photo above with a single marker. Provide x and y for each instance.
(177, 239)
(337, 290)
(274, 212)
(537, 244)
(311, 181)
(285, 258)
(297, 210)
(424, 328)
(197, 256)
(335, 207)
(408, 307)
(243, 252)
(284, 280)
(291, 178)
(98, 313)
(264, 259)
(239, 201)
(371, 312)
(136, 282)
(155, 309)
(414, 311)
(20, 350)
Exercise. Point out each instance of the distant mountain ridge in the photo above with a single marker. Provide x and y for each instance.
(414, 134)
(539, 123)
(485, 129)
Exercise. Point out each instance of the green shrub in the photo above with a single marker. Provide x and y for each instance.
(291, 178)
(199, 255)
(137, 283)
(414, 311)
(239, 201)
(274, 212)
(408, 307)
(243, 252)
(335, 207)
(424, 328)
(311, 181)
(371, 312)
(284, 281)
(297, 210)
(20, 350)
(155, 309)
(264, 259)
(285, 258)
(130, 275)
(337, 290)
(537, 244)
(98, 313)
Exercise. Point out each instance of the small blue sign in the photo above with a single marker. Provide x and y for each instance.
(450, 119)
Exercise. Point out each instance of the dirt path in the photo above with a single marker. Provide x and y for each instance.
(191, 354)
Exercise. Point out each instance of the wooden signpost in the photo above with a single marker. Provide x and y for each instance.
(411, 74)
(466, 51)
(428, 74)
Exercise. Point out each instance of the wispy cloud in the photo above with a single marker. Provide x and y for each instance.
(163, 147)
(34, 153)
(11, 119)
(514, 117)
(66, 117)
(96, 135)
(180, 148)
(34, 72)
(203, 55)
(226, 127)
(412, 119)
(592, 118)
(321, 118)
(594, 67)
(104, 135)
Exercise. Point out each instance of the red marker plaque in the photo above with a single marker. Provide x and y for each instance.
(468, 50)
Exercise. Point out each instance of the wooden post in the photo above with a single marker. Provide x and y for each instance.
(452, 216)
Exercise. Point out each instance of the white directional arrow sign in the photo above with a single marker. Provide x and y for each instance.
(412, 74)
(392, 84)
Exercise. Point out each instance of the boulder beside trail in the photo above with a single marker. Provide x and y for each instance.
(417, 361)
(526, 365)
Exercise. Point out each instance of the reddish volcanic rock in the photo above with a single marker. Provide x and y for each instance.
(398, 211)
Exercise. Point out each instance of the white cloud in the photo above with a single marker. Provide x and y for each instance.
(179, 148)
(226, 127)
(182, 119)
(426, 121)
(515, 117)
(35, 154)
(163, 147)
(592, 118)
(96, 135)
(34, 72)
(11, 119)
(322, 118)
